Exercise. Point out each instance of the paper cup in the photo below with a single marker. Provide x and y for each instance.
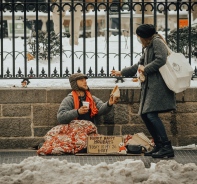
(85, 104)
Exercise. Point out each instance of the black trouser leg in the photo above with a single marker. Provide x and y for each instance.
(154, 135)
(150, 127)
(158, 126)
(157, 129)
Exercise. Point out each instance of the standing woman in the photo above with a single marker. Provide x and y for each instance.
(155, 95)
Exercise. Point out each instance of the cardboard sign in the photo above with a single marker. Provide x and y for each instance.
(104, 144)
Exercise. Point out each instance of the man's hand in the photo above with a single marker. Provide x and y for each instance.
(83, 110)
(113, 100)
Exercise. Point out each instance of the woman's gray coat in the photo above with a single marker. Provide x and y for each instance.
(155, 95)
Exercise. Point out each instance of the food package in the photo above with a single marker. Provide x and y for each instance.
(115, 92)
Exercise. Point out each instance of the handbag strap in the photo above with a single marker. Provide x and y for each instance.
(169, 50)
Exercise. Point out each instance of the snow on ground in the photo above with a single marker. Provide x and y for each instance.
(37, 170)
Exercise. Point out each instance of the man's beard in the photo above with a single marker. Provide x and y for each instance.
(83, 89)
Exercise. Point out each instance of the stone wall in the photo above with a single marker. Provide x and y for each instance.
(27, 114)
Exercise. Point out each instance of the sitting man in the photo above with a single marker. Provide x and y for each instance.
(72, 107)
(76, 121)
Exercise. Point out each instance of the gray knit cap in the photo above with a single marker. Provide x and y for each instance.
(73, 80)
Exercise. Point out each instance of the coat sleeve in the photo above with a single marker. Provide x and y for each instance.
(66, 112)
(130, 71)
(103, 108)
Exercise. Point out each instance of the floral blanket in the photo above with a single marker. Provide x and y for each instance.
(70, 138)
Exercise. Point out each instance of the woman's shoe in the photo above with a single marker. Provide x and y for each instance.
(154, 150)
(165, 151)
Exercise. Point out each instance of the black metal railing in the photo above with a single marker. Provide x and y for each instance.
(35, 41)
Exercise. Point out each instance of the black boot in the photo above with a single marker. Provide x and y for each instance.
(165, 151)
(156, 148)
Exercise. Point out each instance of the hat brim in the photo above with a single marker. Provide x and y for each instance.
(81, 77)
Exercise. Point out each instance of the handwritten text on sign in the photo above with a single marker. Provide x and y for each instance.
(104, 144)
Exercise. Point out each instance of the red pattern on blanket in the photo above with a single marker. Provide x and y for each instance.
(70, 138)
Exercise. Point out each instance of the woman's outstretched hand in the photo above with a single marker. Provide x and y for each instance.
(116, 73)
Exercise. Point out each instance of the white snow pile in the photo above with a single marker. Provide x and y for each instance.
(37, 170)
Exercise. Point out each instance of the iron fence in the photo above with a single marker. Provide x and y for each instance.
(53, 39)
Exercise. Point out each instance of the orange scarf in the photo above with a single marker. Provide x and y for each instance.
(89, 99)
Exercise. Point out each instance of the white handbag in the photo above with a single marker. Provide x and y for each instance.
(177, 72)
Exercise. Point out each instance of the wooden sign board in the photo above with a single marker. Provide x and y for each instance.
(104, 144)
